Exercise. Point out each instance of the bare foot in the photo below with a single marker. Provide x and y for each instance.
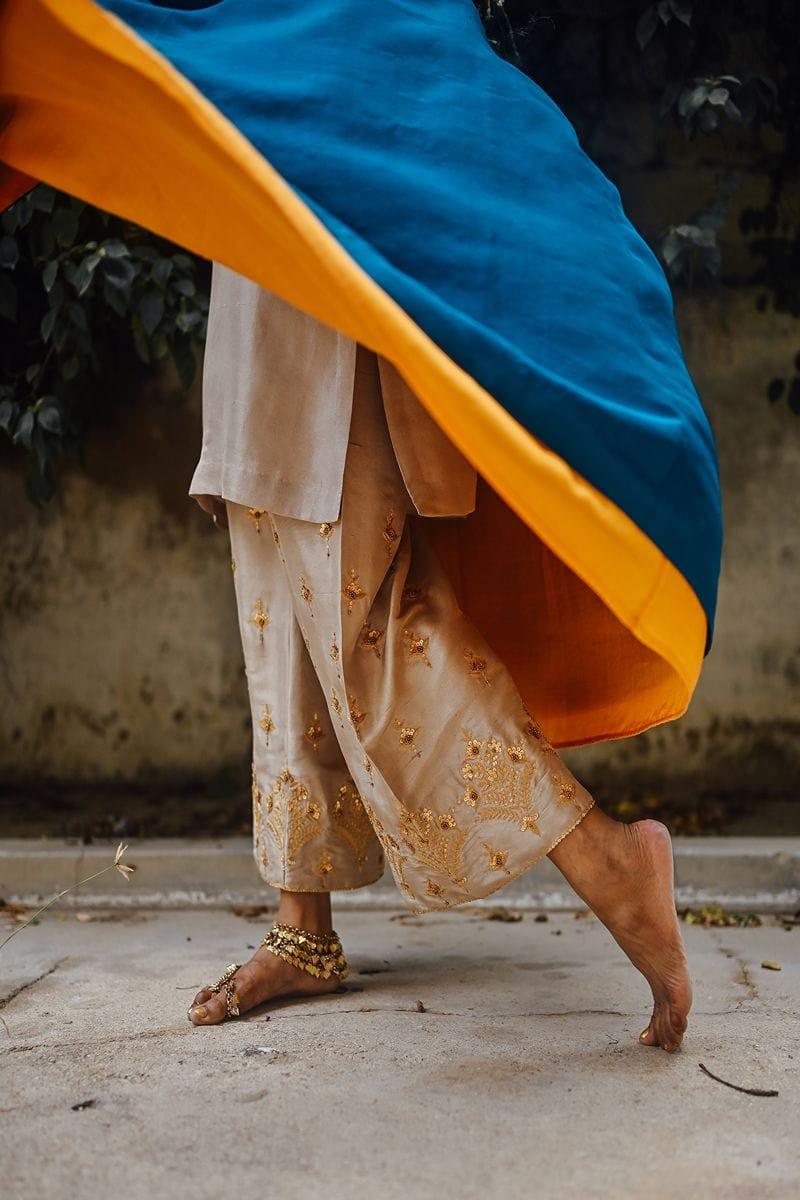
(264, 977)
(624, 873)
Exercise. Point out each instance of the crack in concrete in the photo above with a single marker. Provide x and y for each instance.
(23, 987)
(469, 1016)
(742, 978)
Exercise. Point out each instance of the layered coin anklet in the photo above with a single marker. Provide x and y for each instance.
(318, 954)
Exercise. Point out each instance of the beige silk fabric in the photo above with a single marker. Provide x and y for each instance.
(277, 397)
(384, 728)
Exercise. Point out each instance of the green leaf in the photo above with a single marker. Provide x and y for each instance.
(114, 248)
(44, 198)
(48, 323)
(9, 252)
(119, 273)
(8, 415)
(682, 9)
(49, 274)
(184, 287)
(50, 419)
(151, 309)
(24, 430)
(65, 226)
(646, 26)
(85, 272)
(162, 269)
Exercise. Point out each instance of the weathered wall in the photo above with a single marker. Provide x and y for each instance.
(119, 657)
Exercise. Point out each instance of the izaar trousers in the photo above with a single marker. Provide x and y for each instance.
(384, 727)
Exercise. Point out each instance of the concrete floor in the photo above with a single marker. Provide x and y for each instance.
(522, 1077)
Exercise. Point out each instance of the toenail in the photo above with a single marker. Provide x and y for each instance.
(643, 1034)
(201, 1012)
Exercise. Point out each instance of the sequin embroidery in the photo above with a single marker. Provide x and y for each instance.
(257, 516)
(266, 724)
(476, 666)
(371, 638)
(314, 733)
(416, 647)
(353, 590)
(260, 618)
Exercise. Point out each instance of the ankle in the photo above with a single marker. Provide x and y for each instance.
(306, 910)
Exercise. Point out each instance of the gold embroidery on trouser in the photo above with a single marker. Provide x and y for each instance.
(391, 730)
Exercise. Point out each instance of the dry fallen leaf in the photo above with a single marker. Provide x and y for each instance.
(501, 913)
(769, 965)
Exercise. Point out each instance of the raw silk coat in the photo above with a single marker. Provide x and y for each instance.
(381, 168)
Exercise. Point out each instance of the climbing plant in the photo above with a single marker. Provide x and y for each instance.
(84, 297)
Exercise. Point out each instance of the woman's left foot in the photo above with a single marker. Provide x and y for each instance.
(264, 977)
(624, 873)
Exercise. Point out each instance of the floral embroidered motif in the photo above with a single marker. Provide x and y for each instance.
(324, 866)
(440, 849)
(351, 823)
(516, 753)
(566, 791)
(471, 797)
(407, 736)
(257, 515)
(306, 594)
(260, 618)
(353, 590)
(336, 703)
(275, 537)
(357, 716)
(499, 783)
(287, 816)
(371, 638)
(314, 733)
(334, 650)
(434, 889)
(446, 820)
(266, 724)
(497, 859)
(367, 764)
(390, 534)
(476, 666)
(416, 647)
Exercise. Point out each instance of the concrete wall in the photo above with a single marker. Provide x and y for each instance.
(119, 656)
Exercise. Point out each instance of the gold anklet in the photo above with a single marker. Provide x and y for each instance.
(318, 954)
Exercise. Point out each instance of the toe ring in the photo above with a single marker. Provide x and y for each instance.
(225, 982)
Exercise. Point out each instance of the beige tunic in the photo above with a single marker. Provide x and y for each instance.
(277, 402)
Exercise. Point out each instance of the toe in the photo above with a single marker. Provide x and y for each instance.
(648, 1037)
(204, 994)
(210, 1012)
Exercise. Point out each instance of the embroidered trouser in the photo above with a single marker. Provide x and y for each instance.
(384, 728)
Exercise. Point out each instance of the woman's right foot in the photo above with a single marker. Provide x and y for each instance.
(625, 874)
(265, 977)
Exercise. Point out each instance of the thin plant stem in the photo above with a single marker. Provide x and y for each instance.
(123, 869)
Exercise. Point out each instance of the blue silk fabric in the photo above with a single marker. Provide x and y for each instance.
(460, 187)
